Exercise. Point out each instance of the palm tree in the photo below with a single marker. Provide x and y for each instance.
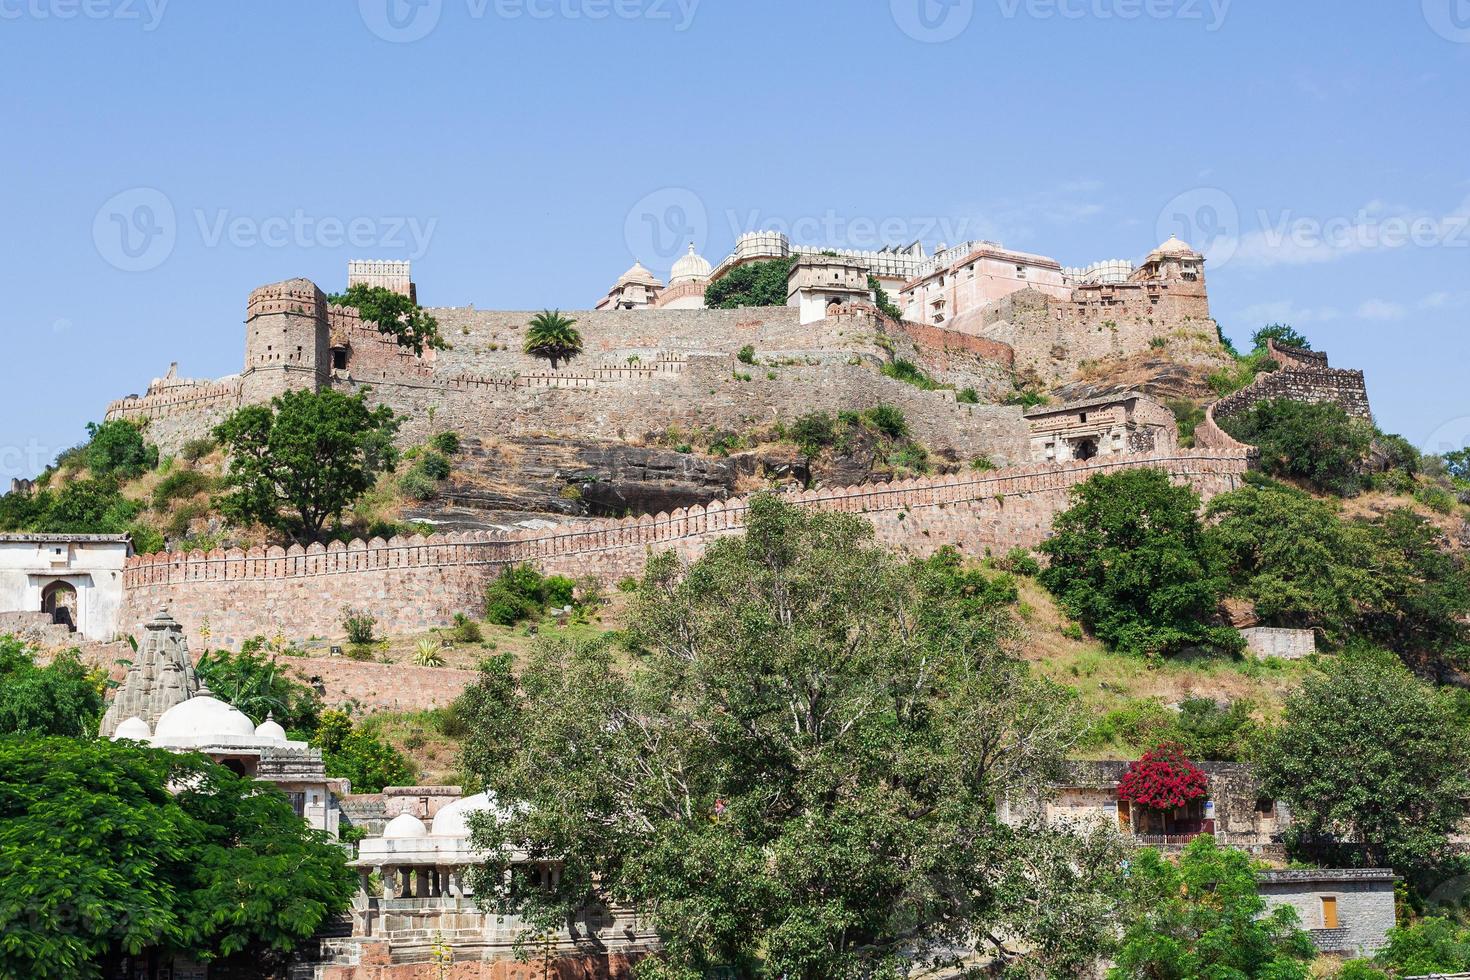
(553, 337)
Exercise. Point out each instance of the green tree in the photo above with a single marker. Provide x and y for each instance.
(62, 698)
(1425, 605)
(753, 284)
(1431, 945)
(88, 507)
(356, 754)
(1319, 444)
(253, 682)
(117, 448)
(1295, 558)
(395, 315)
(302, 460)
(1457, 463)
(1131, 560)
(554, 337)
(100, 860)
(1373, 764)
(1204, 917)
(1208, 731)
(1283, 334)
(798, 770)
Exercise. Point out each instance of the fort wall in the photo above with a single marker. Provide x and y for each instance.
(1304, 376)
(414, 584)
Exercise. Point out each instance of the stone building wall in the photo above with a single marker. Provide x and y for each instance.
(413, 584)
(1284, 644)
(1364, 899)
(1303, 376)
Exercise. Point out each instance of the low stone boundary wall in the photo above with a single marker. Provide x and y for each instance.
(1284, 644)
(374, 687)
(414, 584)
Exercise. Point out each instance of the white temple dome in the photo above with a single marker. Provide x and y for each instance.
(453, 820)
(270, 729)
(405, 826)
(134, 729)
(691, 266)
(201, 718)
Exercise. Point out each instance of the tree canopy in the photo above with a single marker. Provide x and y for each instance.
(117, 448)
(798, 767)
(1375, 766)
(302, 460)
(395, 315)
(100, 860)
(752, 284)
(553, 336)
(1319, 444)
(1284, 335)
(62, 698)
(1204, 917)
(1131, 560)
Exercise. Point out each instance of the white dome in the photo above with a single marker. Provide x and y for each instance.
(270, 729)
(404, 827)
(201, 718)
(1174, 246)
(640, 275)
(453, 820)
(134, 729)
(691, 266)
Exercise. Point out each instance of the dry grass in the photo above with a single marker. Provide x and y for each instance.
(419, 736)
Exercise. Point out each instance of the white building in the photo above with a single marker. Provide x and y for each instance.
(74, 578)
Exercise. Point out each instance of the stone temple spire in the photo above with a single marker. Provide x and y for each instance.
(161, 676)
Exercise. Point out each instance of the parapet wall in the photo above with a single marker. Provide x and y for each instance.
(413, 584)
(1304, 377)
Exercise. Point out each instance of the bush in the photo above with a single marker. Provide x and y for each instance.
(147, 540)
(428, 653)
(446, 443)
(358, 625)
(968, 396)
(415, 485)
(1316, 443)
(515, 596)
(746, 355)
(117, 448)
(888, 420)
(813, 432)
(909, 373)
(1019, 561)
(196, 449)
(466, 630)
(434, 466)
(1283, 334)
(180, 485)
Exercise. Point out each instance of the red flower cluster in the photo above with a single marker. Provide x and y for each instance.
(1163, 780)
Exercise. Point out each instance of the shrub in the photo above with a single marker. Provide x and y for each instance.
(358, 625)
(1019, 561)
(180, 485)
(910, 456)
(117, 448)
(888, 420)
(515, 596)
(813, 432)
(446, 443)
(1187, 415)
(909, 373)
(968, 396)
(558, 590)
(428, 653)
(1437, 499)
(1164, 779)
(1283, 334)
(416, 485)
(466, 630)
(147, 540)
(434, 466)
(196, 449)
(746, 355)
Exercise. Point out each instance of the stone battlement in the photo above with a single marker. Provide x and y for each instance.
(415, 583)
(1303, 376)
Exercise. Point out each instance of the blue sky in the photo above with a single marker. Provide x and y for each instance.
(161, 158)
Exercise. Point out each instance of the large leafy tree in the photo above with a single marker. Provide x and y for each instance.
(1373, 764)
(302, 460)
(1319, 444)
(753, 284)
(552, 335)
(358, 755)
(1203, 917)
(797, 772)
(100, 861)
(1283, 333)
(395, 315)
(1131, 560)
(63, 698)
(117, 449)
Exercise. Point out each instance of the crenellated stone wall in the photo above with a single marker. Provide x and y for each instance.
(413, 584)
(1303, 376)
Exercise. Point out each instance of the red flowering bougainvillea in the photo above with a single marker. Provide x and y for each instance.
(1163, 780)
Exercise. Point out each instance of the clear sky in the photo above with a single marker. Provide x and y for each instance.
(163, 157)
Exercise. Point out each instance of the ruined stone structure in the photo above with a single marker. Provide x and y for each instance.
(1301, 375)
(1126, 424)
(1283, 644)
(413, 584)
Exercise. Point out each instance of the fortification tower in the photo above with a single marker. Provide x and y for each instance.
(287, 341)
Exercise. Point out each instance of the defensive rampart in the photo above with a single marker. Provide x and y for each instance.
(1302, 376)
(413, 584)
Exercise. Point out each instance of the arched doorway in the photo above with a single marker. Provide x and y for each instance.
(1084, 449)
(59, 601)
